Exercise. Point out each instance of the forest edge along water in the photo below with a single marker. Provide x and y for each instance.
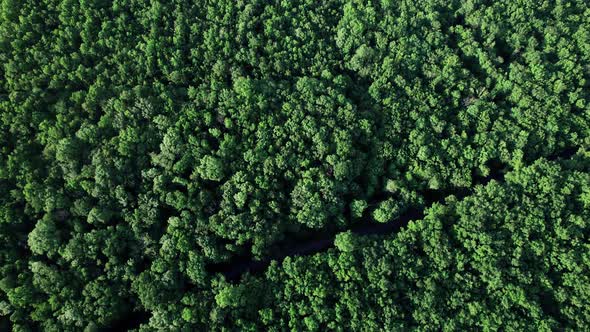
(239, 265)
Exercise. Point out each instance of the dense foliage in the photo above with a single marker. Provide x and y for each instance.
(488, 262)
(143, 141)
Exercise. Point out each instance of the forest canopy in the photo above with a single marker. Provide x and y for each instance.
(294, 165)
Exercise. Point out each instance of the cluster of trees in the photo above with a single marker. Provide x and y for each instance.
(513, 256)
(141, 141)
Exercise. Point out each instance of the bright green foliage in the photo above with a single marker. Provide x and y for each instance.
(142, 142)
(211, 168)
(387, 211)
(345, 241)
(358, 207)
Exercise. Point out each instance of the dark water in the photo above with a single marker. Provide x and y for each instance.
(130, 321)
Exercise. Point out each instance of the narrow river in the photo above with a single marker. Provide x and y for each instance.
(235, 268)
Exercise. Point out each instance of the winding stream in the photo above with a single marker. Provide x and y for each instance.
(239, 265)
